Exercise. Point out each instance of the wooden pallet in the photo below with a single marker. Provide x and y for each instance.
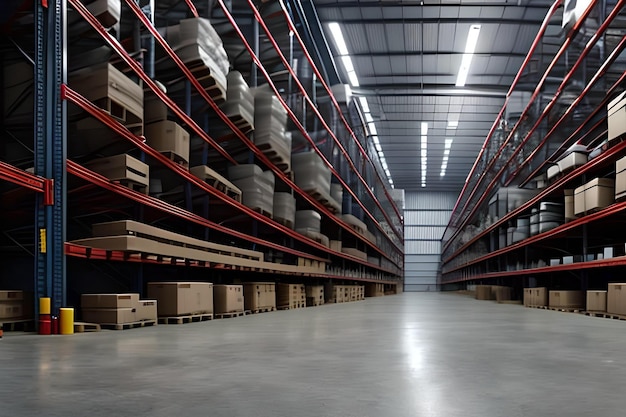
(133, 185)
(539, 307)
(125, 326)
(604, 314)
(119, 111)
(177, 159)
(514, 302)
(292, 306)
(12, 325)
(82, 327)
(241, 123)
(285, 222)
(231, 315)
(263, 212)
(193, 318)
(262, 310)
(325, 200)
(566, 309)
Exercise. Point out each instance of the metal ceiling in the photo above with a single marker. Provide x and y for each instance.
(407, 55)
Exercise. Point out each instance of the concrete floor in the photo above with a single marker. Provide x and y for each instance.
(409, 355)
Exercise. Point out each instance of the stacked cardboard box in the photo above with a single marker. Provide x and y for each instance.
(616, 299)
(596, 300)
(228, 299)
(117, 308)
(483, 292)
(11, 304)
(169, 138)
(182, 298)
(501, 293)
(567, 299)
(259, 296)
(527, 297)
(314, 295)
(536, 297)
(373, 289)
(290, 296)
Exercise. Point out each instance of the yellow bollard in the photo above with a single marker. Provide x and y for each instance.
(44, 305)
(66, 321)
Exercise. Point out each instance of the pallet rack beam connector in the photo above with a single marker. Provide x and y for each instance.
(50, 150)
(538, 89)
(225, 119)
(536, 42)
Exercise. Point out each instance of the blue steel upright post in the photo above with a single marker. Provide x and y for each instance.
(50, 149)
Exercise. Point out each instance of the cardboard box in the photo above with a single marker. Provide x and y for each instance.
(539, 297)
(567, 299)
(11, 295)
(599, 193)
(500, 293)
(553, 171)
(528, 297)
(259, 295)
(572, 161)
(314, 295)
(373, 289)
(182, 298)
(620, 178)
(616, 119)
(579, 200)
(168, 136)
(11, 309)
(569, 205)
(291, 295)
(109, 315)
(616, 298)
(106, 11)
(129, 300)
(483, 292)
(596, 300)
(228, 298)
(147, 310)
(122, 167)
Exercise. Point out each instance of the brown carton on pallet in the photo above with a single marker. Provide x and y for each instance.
(182, 298)
(147, 310)
(259, 295)
(373, 289)
(567, 299)
(228, 298)
(109, 300)
(314, 295)
(539, 297)
(483, 292)
(290, 295)
(596, 300)
(502, 293)
(168, 136)
(11, 309)
(528, 297)
(616, 299)
(122, 167)
(110, 315)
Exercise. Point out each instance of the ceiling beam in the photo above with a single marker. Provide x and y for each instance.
(435, 53)
(416, 89)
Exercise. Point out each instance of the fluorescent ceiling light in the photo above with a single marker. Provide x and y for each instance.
(354, 81)
(372, 128)
(340, 42)
(364, 105)
(424, 128)
(378, 147)
(453, 124)
(368, 117)
(448, 143)
(470, 47)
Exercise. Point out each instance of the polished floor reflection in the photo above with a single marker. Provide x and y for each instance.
(440, 355)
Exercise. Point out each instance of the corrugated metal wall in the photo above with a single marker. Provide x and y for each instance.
(426, 215)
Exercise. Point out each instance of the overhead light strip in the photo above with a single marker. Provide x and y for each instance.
(446, 156)
(424, 151)
(466, 61)
(342, 48)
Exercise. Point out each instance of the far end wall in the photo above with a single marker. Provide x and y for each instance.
(426, 215)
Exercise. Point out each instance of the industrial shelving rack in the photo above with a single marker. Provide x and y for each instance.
(571, 87)
(67, 205)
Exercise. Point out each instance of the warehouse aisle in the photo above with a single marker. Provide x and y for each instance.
(409, 355)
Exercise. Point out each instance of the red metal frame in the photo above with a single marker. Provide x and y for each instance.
(135, 66)
(27, 180)
(293, 29)
(295, 120)
(84, 252)
(241, 135)
(610, 210)
(603, 263)
(557, 185)
(70, 95)
(531, 51)
(568, 40)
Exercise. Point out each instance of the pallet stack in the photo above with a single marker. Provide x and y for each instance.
(118, 311)
(228, 300)
(374, 289)
(290, 296)
(259, 297)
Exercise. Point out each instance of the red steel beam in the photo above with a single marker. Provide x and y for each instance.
(295, 120)
(568, 40)
(363, 152)
(560, 183)
(68, 94)
(545, 112)
(146, 22)
(22, 178)
(531, 51)
(134, 65)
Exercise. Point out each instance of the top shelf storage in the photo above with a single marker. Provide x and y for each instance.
(550, 136)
